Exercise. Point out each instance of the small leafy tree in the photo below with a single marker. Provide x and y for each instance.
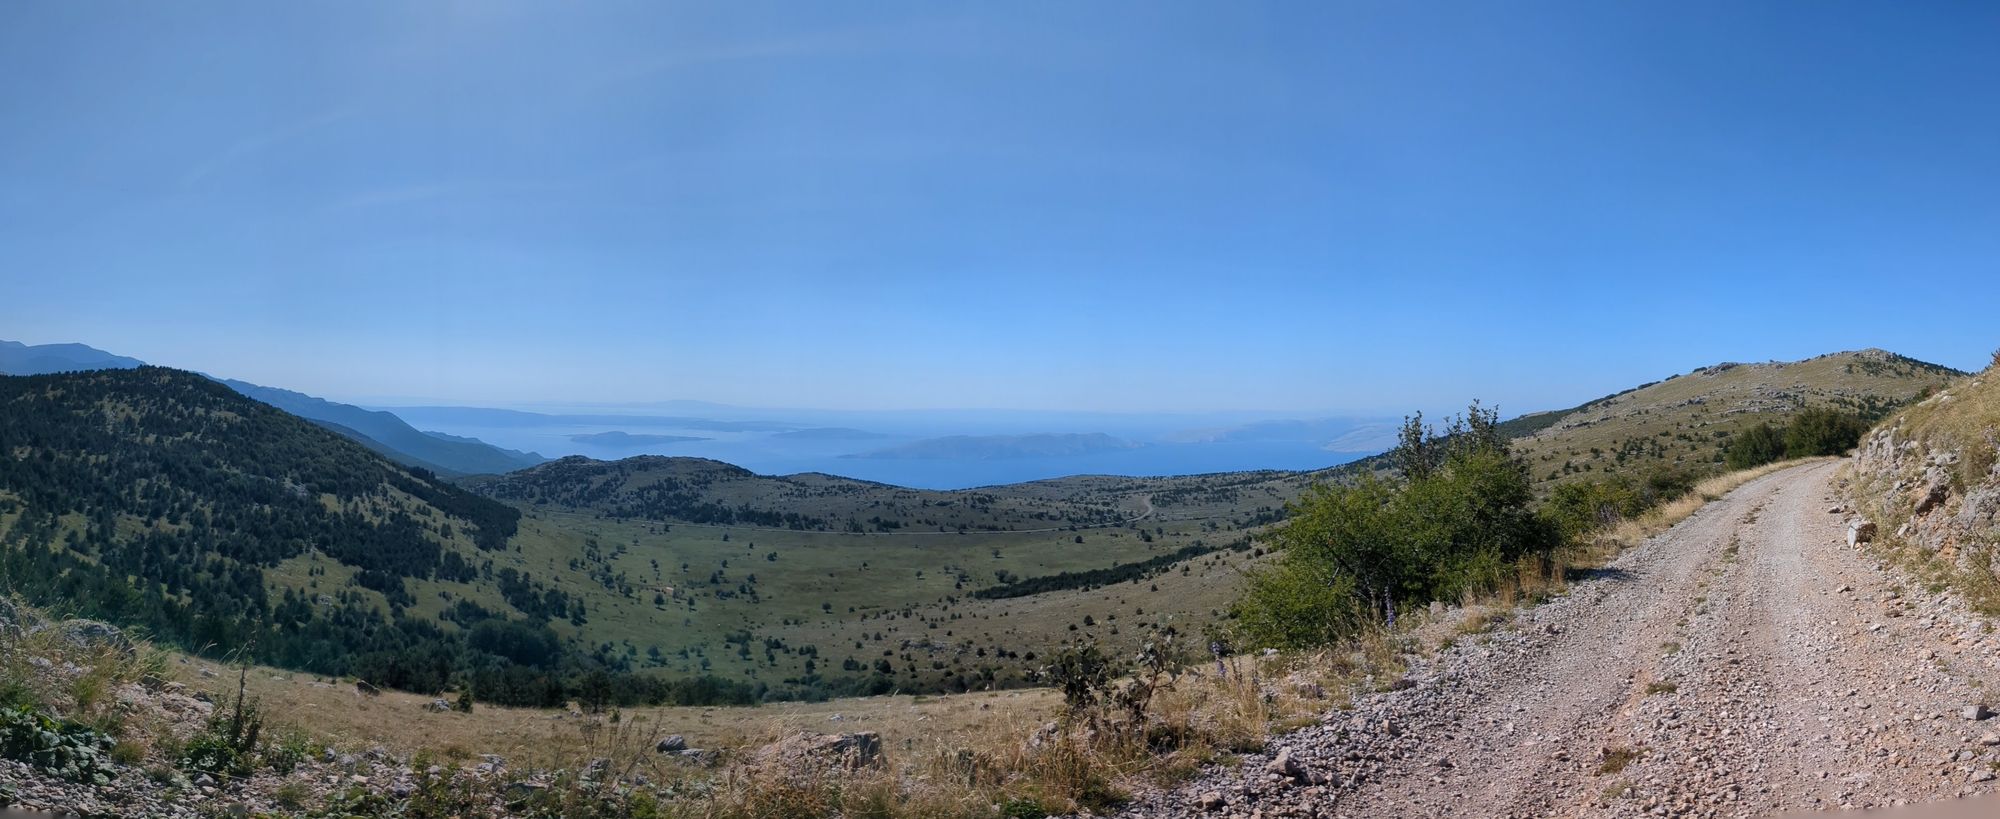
(1083, 673)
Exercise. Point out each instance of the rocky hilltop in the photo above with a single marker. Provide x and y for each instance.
(1684, 422)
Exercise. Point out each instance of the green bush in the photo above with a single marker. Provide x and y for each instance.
(1583, 507)
(286, 754)
(1298, 604)
(1812, 432)
(213, 753)
(1819, 431)
(1083, 673)
(61, 747)
(1457, 522)
(1020, 808)
(228, 743)
(1755, 446)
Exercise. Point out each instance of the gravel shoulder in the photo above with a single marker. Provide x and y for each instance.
(1747, 662)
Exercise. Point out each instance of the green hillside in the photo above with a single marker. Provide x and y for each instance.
(158, 498)
(658, 578)
(1685, 421)
(814, 584)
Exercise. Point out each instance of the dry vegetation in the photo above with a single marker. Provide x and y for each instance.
(1015, 753)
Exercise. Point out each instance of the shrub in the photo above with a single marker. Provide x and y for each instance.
(61, 747)
(1023, 809)
(228, 743)
(1457, 523)
(128, 753)
(210, 752)
(1755, 446)
(292, 796)
(286, 754)
(1812, 432)
(1818, 431)
(1083, 674)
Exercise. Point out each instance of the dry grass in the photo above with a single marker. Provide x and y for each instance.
(1964, 418)
(84, 680)
(946, 756)
(338, 713)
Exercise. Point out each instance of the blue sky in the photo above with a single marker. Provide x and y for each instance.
(1297, 207)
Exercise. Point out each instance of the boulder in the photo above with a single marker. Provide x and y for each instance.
(672, 745)
(1044, 735)
(439, 706)
(1860, 531)
(1976, 712)
(1932, 496)
(94, 634)
(1284, 765)
(846, 751)
(516, 792)
(13, 618)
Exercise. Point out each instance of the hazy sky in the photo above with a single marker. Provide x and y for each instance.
(1299, 206)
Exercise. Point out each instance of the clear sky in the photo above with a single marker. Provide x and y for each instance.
(1300, 206)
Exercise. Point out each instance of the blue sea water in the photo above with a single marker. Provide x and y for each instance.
(762, 453)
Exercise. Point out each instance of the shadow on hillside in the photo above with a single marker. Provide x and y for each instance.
(1611, 573)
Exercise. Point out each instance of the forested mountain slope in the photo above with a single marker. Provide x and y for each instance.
(160, 498)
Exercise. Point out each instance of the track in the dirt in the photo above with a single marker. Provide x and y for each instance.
(1745, 663)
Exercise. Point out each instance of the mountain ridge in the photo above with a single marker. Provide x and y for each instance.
(17, 358)
(448, 455)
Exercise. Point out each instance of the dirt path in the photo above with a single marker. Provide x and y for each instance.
(1745, 663)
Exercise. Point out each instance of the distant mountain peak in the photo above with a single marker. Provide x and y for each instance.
(17, 358)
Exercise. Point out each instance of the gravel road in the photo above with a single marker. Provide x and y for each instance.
(1745, 663)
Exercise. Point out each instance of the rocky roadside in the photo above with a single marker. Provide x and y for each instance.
(326, 780)
(1746, 662)
(324, 784)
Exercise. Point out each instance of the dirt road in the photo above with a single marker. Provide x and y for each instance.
(1745, 663)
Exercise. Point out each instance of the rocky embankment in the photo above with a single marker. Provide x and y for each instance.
(1930, 480)
(1746, 663)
